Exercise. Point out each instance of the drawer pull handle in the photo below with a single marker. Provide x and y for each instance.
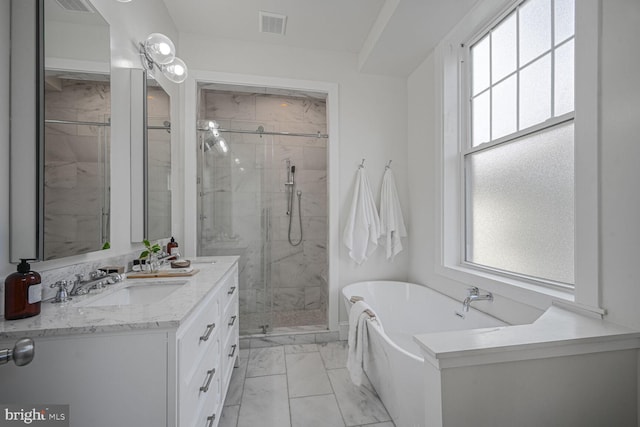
(231, 290)
(210, 375)
(210, 420)
(233, 350)
(233, 320)
(210, 328)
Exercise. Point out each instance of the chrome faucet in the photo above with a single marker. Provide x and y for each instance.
(474, 295)
(97, 279)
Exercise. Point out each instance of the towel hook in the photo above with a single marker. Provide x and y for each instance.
(388, 165)
(361, 164)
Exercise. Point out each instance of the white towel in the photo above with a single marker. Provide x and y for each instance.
(362, 231)
(391, 220)
(358, 340)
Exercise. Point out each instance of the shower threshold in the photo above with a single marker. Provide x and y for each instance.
(284, 323)
(285, 330)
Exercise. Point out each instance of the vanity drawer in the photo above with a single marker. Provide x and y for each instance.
(196, 336)
(230, 351)
(229, 291)
(230, 318)
(209, 414)
(203, 388)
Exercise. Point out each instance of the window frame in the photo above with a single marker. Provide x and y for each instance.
(453, 87)
(467, 146)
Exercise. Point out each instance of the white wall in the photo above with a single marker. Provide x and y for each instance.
(130, 23)
(372, 123)
(619, 174)
(5, 32)
(620, 154)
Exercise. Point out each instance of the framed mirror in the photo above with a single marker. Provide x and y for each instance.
(150, 159)
(158, 161)
(69, 193)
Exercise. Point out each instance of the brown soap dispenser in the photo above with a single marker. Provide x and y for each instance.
(172, 247)
(22, 292)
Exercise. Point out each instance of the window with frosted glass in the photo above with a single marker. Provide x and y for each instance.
(520, 201)
(519, 166)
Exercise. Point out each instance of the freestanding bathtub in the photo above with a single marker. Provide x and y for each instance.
(393, 363)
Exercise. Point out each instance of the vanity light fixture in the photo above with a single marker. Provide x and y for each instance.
(159, 51)
(223, 145)
(213, 138)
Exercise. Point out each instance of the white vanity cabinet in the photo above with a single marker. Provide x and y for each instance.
(204, 361)
(138, 375)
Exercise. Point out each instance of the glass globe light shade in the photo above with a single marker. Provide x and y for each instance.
(160, 48)
(223, 145)
(176, 71)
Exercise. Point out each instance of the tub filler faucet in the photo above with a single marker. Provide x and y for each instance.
(474, 295)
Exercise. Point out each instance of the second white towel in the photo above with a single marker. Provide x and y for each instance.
(391, 220)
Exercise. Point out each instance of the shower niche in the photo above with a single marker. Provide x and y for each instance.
(262, 183)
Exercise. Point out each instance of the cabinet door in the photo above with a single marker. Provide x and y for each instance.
(106, 379)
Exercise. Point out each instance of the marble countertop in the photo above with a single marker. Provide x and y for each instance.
(73, 318)
(556, 332)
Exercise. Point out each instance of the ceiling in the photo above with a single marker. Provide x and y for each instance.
(390, 37)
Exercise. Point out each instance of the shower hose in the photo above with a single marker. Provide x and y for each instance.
(299, 194)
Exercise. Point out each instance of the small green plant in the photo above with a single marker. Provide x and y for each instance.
(106, 245)
(150, 249)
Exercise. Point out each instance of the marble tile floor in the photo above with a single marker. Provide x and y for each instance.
(299, 385)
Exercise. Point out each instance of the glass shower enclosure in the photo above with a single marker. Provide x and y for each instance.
(236, 187)
(262, 182)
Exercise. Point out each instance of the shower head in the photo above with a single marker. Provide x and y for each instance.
(208, 143)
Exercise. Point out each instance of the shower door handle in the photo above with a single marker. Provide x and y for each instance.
(267, 224)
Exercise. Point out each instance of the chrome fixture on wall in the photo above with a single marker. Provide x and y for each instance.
(213, 138)
(158, 51)
(290, 185)
(474, 295)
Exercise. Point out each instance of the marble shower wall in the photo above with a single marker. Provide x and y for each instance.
(76, 187)
(244, 190)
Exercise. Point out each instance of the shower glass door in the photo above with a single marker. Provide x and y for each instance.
(236, 184)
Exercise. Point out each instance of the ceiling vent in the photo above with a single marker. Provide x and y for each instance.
(76, 5)
(272, 23)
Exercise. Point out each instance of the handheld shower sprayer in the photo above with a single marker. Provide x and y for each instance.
(290, 185)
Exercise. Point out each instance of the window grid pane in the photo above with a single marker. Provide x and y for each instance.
(503, 106)
(564, 26)
(563, 79)
(504, 58)
(481, 119)
(534, 29)
(481, 65)
(535, 86)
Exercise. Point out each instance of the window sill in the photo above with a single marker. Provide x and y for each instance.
(538, 296)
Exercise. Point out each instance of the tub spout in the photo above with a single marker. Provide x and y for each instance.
(474, 295)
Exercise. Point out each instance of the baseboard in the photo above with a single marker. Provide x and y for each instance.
(344, 330)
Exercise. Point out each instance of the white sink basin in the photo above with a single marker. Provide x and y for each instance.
(134, 294)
